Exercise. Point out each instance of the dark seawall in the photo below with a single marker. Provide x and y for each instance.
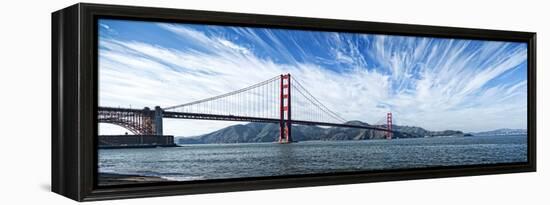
(135, 141)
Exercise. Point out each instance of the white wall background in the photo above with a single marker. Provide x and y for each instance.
(25, 102)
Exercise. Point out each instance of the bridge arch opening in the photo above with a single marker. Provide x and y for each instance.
(106, 128)
(137, 121)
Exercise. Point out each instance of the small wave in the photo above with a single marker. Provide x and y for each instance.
(182, 178)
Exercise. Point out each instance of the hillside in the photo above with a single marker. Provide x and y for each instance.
(269, 132)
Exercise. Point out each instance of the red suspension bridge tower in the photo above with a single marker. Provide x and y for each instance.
(285, 123)
(389, 126)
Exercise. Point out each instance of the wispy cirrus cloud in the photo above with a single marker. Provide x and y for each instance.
(434, 83)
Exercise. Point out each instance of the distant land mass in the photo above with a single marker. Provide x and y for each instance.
(269, 132)
(500, 132)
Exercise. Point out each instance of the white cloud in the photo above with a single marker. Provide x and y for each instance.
(104, 26)
(441, 93)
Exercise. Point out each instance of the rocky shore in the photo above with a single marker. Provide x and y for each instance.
(107, 179)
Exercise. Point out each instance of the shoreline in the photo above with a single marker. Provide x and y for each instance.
(108, 179)
(363, 140)
(135, 146)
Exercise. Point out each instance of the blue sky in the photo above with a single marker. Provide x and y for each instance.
(435, 83)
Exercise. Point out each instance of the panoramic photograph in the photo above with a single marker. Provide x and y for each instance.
(193, 102)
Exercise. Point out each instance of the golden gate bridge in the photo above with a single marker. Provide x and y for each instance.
(281, 99)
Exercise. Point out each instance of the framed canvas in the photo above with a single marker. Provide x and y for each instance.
(155, 101)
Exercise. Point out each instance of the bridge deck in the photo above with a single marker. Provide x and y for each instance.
(199, 116)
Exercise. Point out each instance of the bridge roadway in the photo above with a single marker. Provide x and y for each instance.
(199, 116)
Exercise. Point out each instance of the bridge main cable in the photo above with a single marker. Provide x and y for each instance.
(224, 95)
(302, 90)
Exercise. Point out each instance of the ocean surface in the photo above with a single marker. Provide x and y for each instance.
(218, 161)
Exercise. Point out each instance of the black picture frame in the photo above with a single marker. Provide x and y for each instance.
(74, 101)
